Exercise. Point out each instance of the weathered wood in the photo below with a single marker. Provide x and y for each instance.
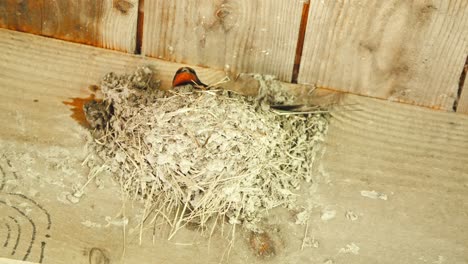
(416, 156)
(110, 24)
(407, 51)
(237, 36)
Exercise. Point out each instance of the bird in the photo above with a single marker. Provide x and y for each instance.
(187, 75)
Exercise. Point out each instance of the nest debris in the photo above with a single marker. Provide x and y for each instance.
(200, 156)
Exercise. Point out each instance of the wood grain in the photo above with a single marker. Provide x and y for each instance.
(237, 36)
(416, 156)
(407, 51)
(110, 24)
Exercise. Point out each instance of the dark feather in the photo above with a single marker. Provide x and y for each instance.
(287, 107)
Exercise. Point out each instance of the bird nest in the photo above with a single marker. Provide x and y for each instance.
(202, 156)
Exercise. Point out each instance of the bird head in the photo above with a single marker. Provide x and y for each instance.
(186, 75)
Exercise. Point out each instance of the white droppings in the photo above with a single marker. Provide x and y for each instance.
(374, 195)
(302, 217)
(328, 215)
(116, 222)
(350, 249)
(350, 215)
(171, 49)
(90, 224)
(266, 52)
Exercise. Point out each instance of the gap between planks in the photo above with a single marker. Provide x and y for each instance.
(461, 102)
(300, 41)
(140, 24)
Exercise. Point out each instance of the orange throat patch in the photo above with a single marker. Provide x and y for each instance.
(184, 78)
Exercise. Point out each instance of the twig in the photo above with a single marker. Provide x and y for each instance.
(305, 235)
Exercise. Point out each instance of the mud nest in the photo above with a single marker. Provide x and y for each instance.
(202, 156)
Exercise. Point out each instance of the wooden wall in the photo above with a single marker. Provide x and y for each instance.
(238, 36)
(408, 51)
(411, 51)
(109, 24)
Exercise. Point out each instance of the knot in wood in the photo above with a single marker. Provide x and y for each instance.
(122, 6)
(227, 16)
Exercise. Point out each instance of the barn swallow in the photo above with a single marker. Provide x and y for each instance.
(186, 75)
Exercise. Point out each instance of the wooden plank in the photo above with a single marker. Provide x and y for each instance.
(237, 36)
(15, 15)
(110, 24)
(417, 157)
(406, 51)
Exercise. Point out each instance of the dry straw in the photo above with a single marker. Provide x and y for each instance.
(202, 157)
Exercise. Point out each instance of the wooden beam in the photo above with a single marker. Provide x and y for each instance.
(397, 174)
(110, 24)
(235, 36)
(415, 156)
(406, 51)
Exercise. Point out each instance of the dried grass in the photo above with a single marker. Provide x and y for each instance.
(203, 156)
